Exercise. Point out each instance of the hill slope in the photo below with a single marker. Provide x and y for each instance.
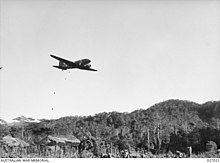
(169, 125)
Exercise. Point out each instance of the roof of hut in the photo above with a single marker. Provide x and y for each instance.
(56, 139)
(13, 142)
(71, 139)
(64, 139)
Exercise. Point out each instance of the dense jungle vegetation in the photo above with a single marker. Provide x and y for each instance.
(167, 126)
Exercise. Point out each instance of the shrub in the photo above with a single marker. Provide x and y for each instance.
(169, 154)
(149, 155)
(211, 146)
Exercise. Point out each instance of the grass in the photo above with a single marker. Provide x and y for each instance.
(87, 154)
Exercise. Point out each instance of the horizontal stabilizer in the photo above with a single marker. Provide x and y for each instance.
(60, 67)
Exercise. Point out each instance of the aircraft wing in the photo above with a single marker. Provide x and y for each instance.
(87, 68)
(64, 60)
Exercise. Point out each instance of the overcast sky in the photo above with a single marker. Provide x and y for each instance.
(145, 52)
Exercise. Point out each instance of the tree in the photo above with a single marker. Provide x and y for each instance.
(23, 121)
(4, 130)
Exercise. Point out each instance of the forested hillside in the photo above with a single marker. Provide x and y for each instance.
(167, 126)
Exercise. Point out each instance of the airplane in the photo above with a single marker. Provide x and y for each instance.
(82, 64)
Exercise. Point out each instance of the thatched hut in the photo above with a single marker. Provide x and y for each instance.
(14, 142)
(14, 145)
(59, 145)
